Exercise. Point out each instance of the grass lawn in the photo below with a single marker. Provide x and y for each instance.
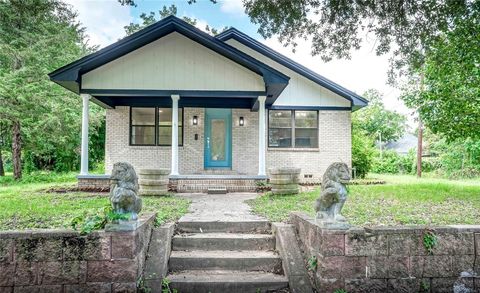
(403, 200)
(26, 204)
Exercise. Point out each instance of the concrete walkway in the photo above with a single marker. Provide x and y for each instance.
(229, 207)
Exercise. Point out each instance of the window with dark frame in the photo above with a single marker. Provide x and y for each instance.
(292, 129)
(153, 126)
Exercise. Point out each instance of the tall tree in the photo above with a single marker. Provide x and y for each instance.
(403, 28)
(377, 121)
(36, 37)
(150, 18)
(449, 103)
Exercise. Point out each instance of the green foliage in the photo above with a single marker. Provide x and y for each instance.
(312, 263)
(150, 18)
(166, 286)
(430, 240)
(362, 152)
(40, 177)
(401, 28)
(142, 286)
(87, 223)
(390, 162)
(377, 121)
(37, 37)
(455, 159)
(403, 200)
(449, 103)
(340, 291)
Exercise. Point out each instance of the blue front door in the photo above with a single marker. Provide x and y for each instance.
(218, 138)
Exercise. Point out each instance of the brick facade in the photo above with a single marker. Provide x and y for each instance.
(334, 144)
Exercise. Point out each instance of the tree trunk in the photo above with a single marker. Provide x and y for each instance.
(419, 148)
(2, 170)
(17, 151)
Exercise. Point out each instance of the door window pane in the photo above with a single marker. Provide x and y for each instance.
(217, 140)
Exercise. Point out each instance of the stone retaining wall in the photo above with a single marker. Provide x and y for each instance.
(64, 261)
(391, 259)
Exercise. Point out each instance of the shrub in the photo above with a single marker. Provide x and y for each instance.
(362, 153)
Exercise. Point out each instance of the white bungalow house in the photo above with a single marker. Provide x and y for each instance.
(210, 108)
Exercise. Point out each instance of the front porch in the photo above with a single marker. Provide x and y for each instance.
(208, 148)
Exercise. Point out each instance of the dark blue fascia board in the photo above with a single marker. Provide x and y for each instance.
(246, 40)
(309, 108)
(74, 70)
(168, 93)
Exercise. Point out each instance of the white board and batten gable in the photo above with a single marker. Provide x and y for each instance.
(300, 90)
(173, 62)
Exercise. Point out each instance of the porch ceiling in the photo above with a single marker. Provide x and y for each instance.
(202, 99)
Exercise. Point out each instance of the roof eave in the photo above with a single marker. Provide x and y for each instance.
(356, 100)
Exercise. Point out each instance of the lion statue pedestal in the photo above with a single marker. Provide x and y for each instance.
(123, 197)
(332, 197)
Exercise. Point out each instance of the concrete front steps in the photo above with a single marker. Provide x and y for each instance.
(207, 182)
(225, 257)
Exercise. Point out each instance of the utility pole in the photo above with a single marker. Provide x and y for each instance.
(420, 134)
(419, 147)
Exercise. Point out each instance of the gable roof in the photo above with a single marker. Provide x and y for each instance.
(69, 76)
(356, 100)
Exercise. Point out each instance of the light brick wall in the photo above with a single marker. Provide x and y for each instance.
(334, 144)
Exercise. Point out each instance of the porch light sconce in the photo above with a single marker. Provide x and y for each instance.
(241, 121)
(195, 120)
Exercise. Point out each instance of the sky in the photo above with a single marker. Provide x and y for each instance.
(105, 20)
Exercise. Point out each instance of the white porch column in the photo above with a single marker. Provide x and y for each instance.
(174, 168)
(261, 136)
(84, 149)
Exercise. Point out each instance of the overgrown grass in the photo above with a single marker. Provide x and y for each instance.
(404, 200)
(26, 205)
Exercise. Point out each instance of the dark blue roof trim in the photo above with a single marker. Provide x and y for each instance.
(168, 93)
(357, 101)
(69, 76)
(310, 108)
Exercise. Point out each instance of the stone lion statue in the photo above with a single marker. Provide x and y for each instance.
(333, 194)
(124, 189)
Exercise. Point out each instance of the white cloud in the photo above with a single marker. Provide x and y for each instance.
(364, 71)
(234, 7)
(104, 19)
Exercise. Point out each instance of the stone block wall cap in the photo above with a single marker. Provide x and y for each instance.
(95, 176)
(154, 171)
(284, 170)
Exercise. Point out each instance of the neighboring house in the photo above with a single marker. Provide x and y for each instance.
(225, 106)
(403, 145)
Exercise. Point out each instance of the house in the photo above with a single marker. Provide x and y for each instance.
(403, 145)
(225, 107)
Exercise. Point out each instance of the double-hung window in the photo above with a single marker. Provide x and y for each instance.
(292, 129)
(153, 126)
